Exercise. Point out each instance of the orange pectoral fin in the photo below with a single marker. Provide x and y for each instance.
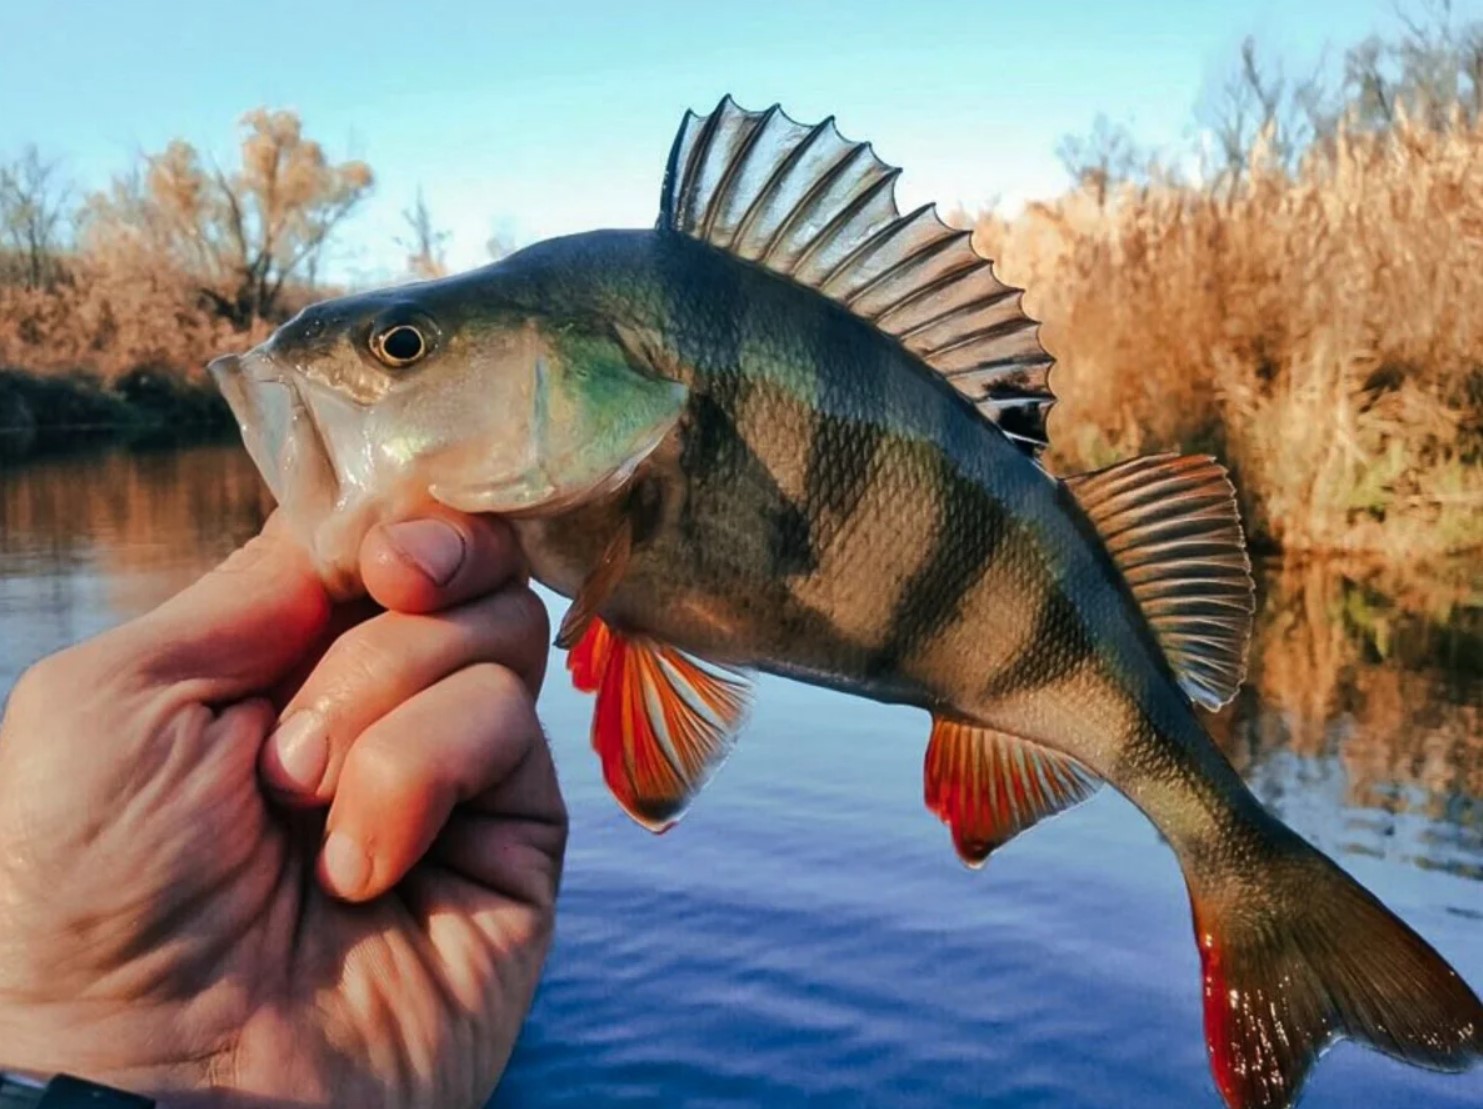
(596, 589)
(664, 721)
(988, 786)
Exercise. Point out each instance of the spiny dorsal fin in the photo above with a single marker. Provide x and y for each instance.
(807, 203)
(1171, 525)
(989, 786)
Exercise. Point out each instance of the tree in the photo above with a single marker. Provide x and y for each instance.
(426, 243)
(33, 220)
(1430, 71)
(241, 237)
(1106, 157)
(1259, 106)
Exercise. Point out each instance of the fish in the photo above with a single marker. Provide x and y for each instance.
(792, 429)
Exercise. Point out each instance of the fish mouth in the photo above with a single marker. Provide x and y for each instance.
(282, 430)
(278, 428)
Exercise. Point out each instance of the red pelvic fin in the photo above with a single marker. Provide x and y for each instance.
(589, 658)
(664, 720)
(988, 786)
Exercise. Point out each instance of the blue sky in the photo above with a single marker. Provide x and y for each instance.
(547, 116)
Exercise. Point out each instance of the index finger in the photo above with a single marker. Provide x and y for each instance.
(238, 629)
(453, 742)
(435, 562)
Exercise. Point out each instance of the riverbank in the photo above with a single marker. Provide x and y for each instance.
(1316, 328)
(54, 411)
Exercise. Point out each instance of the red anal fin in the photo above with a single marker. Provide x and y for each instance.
(664, 720)
(988, 786)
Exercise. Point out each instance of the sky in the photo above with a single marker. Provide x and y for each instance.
(543, 117)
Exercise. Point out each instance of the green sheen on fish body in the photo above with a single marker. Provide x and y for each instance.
(793, 429)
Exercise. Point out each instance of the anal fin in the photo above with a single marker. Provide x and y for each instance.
(664, 721)
(988, 786)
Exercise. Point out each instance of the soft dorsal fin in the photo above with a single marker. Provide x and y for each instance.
(1172, 526)
(989, 786)
(808, 204)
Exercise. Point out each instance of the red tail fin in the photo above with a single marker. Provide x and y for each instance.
(1308, 957)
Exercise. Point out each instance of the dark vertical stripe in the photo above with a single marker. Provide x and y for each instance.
(1057, 646)
(849, 419)
(709, 310)
(841, 455)
(971, 528)
(790, 542)
(701, 311)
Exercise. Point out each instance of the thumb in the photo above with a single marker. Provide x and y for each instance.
(242, 626)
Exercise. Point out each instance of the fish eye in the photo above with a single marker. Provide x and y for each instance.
(399, 345)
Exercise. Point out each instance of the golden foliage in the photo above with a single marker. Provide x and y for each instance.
(178, 261)
(113, 314)
(1376, 673)
(238, 238)
(1321, 328)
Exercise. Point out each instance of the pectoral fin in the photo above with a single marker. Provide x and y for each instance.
(664, 720)
(988, 786)
(598, 585)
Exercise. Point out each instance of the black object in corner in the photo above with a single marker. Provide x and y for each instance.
(67, 1092)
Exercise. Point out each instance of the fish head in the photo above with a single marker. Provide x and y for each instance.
(372, 407)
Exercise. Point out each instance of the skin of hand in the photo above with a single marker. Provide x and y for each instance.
(257, 849)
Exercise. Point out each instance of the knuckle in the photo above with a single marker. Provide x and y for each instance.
(61, 678)
(528, 614)
(101, 670)
(497, 684)
(359, 654)
(34, 686)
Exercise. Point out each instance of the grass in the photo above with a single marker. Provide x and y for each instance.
(1320, 329)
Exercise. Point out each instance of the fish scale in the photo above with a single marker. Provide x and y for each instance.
(795, 430)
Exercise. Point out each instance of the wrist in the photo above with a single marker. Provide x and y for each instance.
(131, 1047)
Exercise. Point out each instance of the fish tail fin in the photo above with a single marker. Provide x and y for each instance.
(1296, 955)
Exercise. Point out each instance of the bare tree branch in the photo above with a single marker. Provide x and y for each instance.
(242, 236)
(425, 243)
(34, 221)
(1104, 158)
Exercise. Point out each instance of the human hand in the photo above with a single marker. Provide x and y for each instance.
(174, 918)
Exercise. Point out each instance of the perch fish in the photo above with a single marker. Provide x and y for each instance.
(793, 429)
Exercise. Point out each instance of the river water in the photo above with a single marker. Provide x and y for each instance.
(806, 936)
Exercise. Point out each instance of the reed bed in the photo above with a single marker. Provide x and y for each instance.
(1320, 328)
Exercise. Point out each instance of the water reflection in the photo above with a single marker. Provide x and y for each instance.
(90, 537)
(1361, 722)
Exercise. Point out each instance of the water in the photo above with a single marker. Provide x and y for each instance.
(807, 936)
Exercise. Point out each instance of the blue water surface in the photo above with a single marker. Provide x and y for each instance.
(806, 935)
